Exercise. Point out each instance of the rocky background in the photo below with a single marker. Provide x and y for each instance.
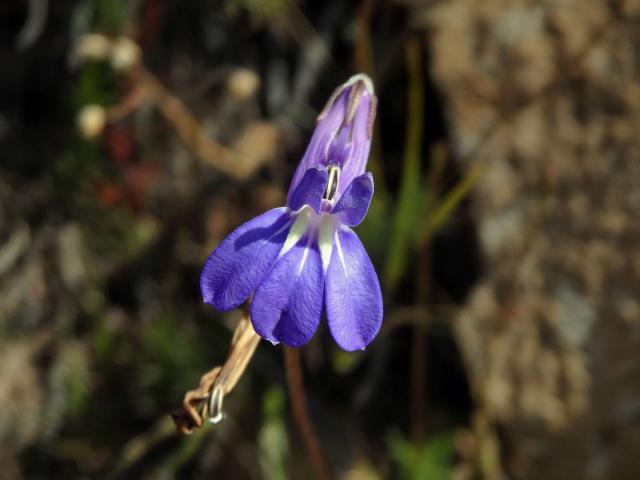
(545, 95)
(505, 230)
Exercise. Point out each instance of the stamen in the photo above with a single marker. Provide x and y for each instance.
(332, 184)
(372, 115)
(355, 95)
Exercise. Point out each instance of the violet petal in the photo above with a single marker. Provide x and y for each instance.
(287, 305)
(240, 262)
(325, 130)
(360, 142)
(310, 190)
(354, 202)
(352, 293)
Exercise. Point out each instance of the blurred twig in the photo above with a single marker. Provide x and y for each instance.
(418, 315)
(34, 26)
(139, 446)
(234, 162)
(254, 146)
(301, 415)
(449, 203)
(15, 246)
(365, 62)
(315, 52)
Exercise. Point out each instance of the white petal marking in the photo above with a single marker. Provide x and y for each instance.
(298, 229)
(341, 254)
(325, 241)
(303, 260)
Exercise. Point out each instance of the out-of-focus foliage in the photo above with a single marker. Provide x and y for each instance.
(273, 440)
(422, 461)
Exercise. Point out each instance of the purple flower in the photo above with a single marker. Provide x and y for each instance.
(299, 258)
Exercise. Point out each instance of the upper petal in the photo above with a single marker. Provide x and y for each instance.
(310, 190)
(241, 261)
(342, 136)
(354, 202)
(287, 305)
(352, 293)
(360, 140)
(327, 125)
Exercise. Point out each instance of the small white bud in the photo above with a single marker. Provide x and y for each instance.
(243, 83)
(91, 120)
(125, 54)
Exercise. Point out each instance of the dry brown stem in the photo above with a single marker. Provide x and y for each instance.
(207, 399)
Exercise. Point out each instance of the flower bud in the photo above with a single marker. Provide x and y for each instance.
(342, 137)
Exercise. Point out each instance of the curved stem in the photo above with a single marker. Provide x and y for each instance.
(301, 415)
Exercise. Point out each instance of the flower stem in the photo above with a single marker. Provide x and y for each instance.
(418, 398)
(301, 415)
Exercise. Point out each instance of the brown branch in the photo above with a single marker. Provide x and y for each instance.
(301, 415)
(239, 161)
(256, 145)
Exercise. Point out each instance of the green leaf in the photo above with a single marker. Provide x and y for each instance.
(273, 441)
(411, 205)
(429, 461)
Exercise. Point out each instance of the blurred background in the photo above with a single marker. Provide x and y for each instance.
(135, 135)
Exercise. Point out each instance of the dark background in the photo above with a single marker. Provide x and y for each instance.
(134, 136)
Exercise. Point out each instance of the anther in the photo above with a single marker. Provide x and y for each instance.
(372, 115)
(332, 183)
(355, 96)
